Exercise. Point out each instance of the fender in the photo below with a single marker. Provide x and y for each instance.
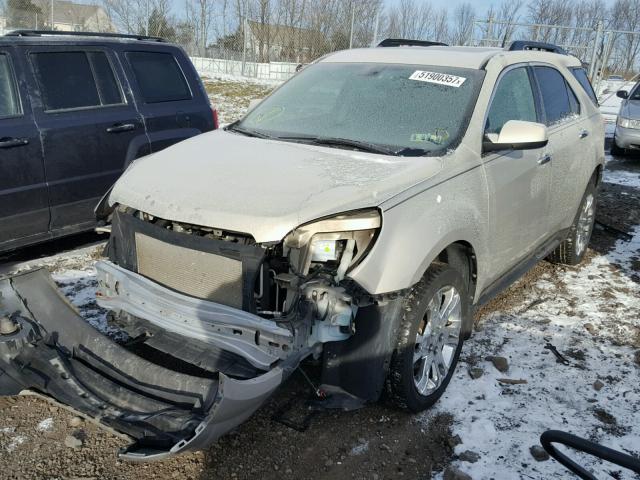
(415, 232)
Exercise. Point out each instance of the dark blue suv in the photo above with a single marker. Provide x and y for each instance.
(75, 110)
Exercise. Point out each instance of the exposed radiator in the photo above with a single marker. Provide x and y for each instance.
(192, 272)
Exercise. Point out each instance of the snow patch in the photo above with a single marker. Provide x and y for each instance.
(45, 425)
(590, 314)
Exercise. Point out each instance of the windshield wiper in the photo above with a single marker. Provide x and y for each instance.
(246, 131)
(341, 142)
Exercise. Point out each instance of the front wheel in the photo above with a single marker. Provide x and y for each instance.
(429, 339)
(573, 249)
(615, 150)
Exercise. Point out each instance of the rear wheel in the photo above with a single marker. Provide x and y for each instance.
(429, 340)
(572, 250)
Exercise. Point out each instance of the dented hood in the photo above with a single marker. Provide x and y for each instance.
(264, 188)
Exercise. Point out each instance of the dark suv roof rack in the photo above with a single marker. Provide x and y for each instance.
(401, 42)
(541, 46)
(40, 33)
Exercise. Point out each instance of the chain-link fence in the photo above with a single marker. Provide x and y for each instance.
(268, 39)
(595, 45)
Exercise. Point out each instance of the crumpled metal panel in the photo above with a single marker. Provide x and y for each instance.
(164, 411)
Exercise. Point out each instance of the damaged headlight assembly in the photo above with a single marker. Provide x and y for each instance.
(320, 255)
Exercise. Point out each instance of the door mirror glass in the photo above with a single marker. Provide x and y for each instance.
(517, 135)
(622, 94)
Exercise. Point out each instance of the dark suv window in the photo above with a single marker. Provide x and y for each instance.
(8, 94)
(559, 101)
(512, 100)
(76, 80)
(150, 67)
(582, 78)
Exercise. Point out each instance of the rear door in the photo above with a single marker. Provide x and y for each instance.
(89, 125)
(518, 180)
(24, 208)
(569, 138)
(169, 95)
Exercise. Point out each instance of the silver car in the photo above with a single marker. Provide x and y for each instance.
(357, 216)
(627, 134)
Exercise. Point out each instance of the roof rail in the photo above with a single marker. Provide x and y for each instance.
(40, 33)
(541, 46)
(401, 42)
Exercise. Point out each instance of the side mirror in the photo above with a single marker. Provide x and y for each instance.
(622, 94)
(254, 103)
(518, 135)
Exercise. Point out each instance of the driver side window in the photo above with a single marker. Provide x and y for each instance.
(513, 100)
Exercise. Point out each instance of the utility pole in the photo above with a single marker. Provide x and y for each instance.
(374, 41)
(592, 67)
(244, 42)
(51, 26)
(353, 18)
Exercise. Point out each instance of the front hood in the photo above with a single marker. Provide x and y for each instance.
(264, 188)
(631, 109)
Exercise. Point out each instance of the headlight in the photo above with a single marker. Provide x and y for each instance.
(337, 243)
(325, 250)
(628, 123)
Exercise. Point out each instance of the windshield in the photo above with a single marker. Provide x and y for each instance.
(404, 109)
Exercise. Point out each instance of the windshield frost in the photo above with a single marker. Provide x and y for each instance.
(405, 107)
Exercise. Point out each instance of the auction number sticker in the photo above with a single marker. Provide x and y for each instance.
(439, 78)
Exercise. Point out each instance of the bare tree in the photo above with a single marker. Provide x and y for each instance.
(463, 23)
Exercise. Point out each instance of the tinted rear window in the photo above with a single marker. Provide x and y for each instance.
(8, 93)
(75, 80)
(558, 105)
(582, 78)
(159, 77)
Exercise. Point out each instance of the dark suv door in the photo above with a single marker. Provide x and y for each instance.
(169, 93)
(89, 125)
(24, 208)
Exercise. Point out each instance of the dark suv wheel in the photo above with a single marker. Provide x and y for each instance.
(429, 339)
(573, 249)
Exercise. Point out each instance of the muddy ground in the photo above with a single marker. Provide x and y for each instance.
(41, 440)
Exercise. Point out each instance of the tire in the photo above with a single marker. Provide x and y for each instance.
(403, 385)
(573, 249)
(615, 150)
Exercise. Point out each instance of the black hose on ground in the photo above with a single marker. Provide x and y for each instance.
(548, 438)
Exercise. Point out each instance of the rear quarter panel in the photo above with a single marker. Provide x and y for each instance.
(170, 122)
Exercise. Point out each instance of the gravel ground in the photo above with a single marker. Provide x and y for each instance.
(481, 426)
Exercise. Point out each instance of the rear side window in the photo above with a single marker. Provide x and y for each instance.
(76, 80)
(9, 106)
(512, 100)
(560, 103)
(159, 77)
(582, 78)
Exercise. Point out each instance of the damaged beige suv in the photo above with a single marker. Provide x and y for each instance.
(357, 216)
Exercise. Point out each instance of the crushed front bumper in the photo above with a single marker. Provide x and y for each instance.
(165, 411)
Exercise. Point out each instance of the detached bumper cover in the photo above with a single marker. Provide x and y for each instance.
(165, 412)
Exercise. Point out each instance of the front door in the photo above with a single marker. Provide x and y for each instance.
(90, 128)
(518, 180)
(24, 208)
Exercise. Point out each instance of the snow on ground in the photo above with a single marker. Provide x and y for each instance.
(591, 314)
(231, 98)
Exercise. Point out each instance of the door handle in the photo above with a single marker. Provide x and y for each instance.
(546, 158)
(121, 127)
(584, 133)
(13, 142)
